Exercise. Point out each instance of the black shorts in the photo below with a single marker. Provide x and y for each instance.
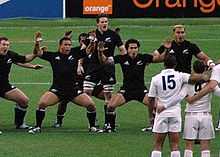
(97, 90)
(137, 95)
(65, 95)
(104, 73)
(4, 88)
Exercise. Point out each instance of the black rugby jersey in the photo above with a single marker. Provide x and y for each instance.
(63, 67)
(6, 62)
(183, 53)
(133, 70)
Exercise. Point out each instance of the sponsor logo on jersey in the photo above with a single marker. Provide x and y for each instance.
(111, 79)
(53, 90)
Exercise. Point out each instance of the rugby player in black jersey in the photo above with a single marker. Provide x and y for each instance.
(8, 91)
(133, 66)
(64, 64)
(82, 64)
(96, 71)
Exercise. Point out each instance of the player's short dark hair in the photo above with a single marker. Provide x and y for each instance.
(82, 35)
(100, 16)
(199, 66)
(63, 39)
(131, 41)
(3, 38)
(170, 61)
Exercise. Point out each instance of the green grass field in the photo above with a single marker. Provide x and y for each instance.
(73, 140)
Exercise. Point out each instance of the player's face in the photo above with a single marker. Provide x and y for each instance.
(179, 35)
(133, 50)
(65, 47)
(103, 24)
(82, 40)
(4, 46)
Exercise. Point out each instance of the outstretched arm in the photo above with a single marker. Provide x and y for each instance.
(30, 66)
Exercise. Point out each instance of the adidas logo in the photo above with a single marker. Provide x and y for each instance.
(57, 58)
(171, 51)
(126, 63)
(111, 79)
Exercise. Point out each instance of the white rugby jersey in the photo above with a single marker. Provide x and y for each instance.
(165, 86)
(201, 105)
(216, 73)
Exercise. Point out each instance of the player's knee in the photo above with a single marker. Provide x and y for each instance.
(23, 102)
(42, 104)
(91, 107)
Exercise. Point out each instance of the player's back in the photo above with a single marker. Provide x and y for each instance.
(168, 85)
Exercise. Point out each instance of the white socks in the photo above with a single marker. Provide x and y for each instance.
(188, 153)
(156, 153)
(175, 154)
(205, 153)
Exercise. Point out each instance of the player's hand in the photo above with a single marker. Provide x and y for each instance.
(92, 36)
(160, 108)
(80, 70)
(44, 48)
(38, 37)
(101, 46)
(68, 34)
(37, 66)
(167, 43)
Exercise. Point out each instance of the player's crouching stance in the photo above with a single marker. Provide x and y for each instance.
(198, 118)
(7, 91)
(165, 88)
(63, 64)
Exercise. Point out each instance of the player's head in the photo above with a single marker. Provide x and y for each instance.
(199, 67)
(102, 22)
(179, 33)
(132, 47)
(170, 62)
(82, 38)
(65, 45)
(4, 45)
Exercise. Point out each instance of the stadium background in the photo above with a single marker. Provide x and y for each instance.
(73, 139)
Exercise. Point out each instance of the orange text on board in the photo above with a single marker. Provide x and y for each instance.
(205, 6)
(94, 7)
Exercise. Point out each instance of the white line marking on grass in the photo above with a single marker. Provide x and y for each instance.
(49, 83)
(142, 40)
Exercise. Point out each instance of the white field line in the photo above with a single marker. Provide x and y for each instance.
(93, 27)
(142, 40)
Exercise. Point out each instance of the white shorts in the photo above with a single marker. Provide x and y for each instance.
(167, 124)
(198, 126)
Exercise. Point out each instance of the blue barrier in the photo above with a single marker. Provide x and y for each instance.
(32, 8)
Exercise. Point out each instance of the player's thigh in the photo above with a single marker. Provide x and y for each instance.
(117, 100)
(17, 96)
(206, 129)
(160, 124)
(191, 127)
(83, 100)
(175, 124)
(48, 99)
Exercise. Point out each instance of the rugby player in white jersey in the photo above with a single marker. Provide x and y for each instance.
(165, 88)
(198, 118)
